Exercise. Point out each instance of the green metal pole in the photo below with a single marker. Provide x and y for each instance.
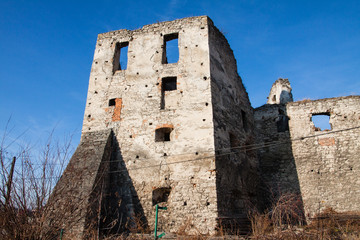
(61, 233)
(156, 221)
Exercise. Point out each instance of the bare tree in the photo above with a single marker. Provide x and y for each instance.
(36, 172)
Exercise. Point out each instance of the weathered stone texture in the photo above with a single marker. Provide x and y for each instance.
(236, 168)
(327, 164)
(276, 160)
(322, 166)
(280, 92)
(187, 163)
(75, 201)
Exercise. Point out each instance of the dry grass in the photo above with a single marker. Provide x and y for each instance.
(305, 100)
(330, 224)
(187, 230)
(285, 212)
(136, 225)
(285, 221)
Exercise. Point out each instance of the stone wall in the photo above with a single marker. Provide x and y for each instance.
(75, 202)
(185, 164)
(297, 157)
(280, 92)
(277, 164)
(327, 162)
(236, 167)
(172, 123)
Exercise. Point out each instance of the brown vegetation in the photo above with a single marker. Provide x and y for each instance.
(27, 178)
(285, 221)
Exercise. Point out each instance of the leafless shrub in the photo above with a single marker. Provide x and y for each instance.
(260, 224)
(287, 210)
(25, 190)
(188, 231)
(285, 213)
(184, 227)
(136, 224)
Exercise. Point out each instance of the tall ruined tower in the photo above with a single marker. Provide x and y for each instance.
(162, 132)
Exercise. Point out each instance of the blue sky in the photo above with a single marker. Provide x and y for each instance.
(47, 48)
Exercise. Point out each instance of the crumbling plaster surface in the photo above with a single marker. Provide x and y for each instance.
(188, 109)
(280, 92)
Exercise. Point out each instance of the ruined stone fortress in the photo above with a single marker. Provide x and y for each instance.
(184, 135)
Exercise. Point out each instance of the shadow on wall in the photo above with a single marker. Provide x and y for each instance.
(285, 96)
(236, 185)
(279, 177)
(124, 212)
(237, 176)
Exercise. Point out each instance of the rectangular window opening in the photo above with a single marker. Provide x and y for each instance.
(244, 120)
(112, 102)
(282, 124)
(120, 56)
(274, 98)
(171, 48)
(167, 84)
(233, 140)
(116, 105)
(163, 134)
(160, 195)
(321, 121)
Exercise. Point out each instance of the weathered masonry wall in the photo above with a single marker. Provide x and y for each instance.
(328, 164)
(75, 201)
(297, 157)
(277, 164)
(236, 168)
(174, 117)
(161, 114)
(280, 92)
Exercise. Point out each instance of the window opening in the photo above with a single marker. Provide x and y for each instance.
(163, 134)
(234, 142)
(283, 123)
(321, 121)
(244, 120)
(171, 48)
(112, 102)
(167, 84)
(116, 105)
(160, 195)
(120, 56)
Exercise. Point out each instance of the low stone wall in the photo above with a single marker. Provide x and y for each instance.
(297, 156)
(327, 162)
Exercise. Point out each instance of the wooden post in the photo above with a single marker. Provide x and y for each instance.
(9, 183)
